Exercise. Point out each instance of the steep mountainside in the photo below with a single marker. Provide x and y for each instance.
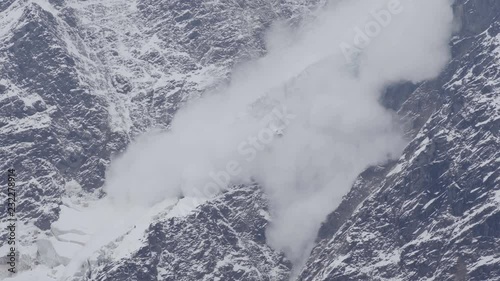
(221, 240)
(435, 215)
(80, 79)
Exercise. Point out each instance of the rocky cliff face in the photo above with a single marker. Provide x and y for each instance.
(80, 79)
(221, 240)
(435, 214)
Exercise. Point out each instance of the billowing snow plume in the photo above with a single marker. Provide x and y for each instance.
(303, 121)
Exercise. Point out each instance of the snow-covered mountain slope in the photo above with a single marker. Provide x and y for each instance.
(79, 79)
(221, 240)
(435, 214)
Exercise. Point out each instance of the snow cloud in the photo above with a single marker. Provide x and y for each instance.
(327, 76)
